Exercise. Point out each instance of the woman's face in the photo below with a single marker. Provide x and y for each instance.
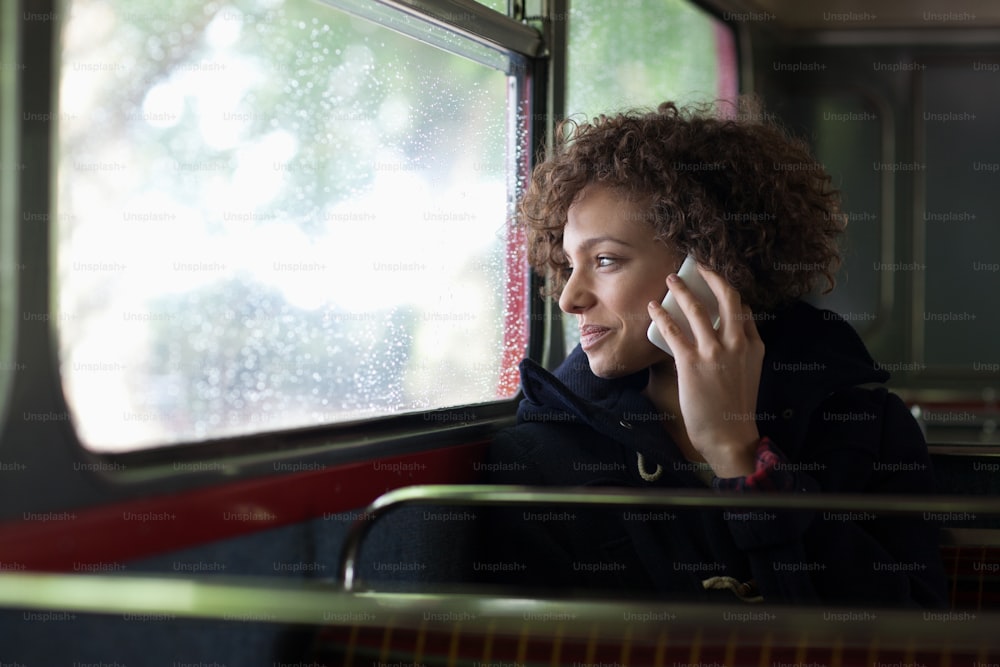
(618, 266)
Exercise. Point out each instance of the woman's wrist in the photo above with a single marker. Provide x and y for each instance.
(734, 459)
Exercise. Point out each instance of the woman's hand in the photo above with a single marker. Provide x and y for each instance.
(718, 374)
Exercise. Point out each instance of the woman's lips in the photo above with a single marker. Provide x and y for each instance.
(591, 334)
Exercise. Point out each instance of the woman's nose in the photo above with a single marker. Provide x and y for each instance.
(576, 295)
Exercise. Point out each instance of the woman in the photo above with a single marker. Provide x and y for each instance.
(772, 400)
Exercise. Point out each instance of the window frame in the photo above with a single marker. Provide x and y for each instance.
(35, 344)
(10, 48)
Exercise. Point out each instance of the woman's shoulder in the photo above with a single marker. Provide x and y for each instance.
(865, 438)
(874, 412)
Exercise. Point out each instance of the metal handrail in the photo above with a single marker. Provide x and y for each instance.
(271, 600)
(484, 494)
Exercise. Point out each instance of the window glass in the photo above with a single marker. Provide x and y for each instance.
(643, 53)
(276, 215)
(495, 5)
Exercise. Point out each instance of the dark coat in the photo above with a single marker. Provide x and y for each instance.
(576, 429)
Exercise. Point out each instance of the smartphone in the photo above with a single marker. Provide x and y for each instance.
(689, 274)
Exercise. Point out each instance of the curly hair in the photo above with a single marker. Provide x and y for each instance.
(739, 193)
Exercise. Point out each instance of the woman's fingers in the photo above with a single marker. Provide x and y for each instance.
(730, 305)
(672, 332)
(718, 372)
(695, 311)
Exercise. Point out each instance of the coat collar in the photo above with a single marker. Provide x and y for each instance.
(809, 354)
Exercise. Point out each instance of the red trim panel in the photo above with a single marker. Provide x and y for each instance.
(728, 86)
(516, 298)
(102, 536)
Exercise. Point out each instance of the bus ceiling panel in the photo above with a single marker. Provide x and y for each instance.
(869, 21)
(885, 14)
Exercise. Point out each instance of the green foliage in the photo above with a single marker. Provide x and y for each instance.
(638, 54)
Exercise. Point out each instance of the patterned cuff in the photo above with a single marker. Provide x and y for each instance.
(767, 476)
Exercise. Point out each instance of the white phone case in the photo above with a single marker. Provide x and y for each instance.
(689, 274)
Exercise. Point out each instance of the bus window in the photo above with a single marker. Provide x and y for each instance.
(957, 227)
(278, 215)
(851, 139)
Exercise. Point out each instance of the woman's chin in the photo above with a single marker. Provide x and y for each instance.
(608, 369)
(611, 368)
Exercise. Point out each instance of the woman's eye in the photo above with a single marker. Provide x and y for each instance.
(605, 261)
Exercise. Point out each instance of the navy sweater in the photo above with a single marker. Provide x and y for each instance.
(829, 434)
